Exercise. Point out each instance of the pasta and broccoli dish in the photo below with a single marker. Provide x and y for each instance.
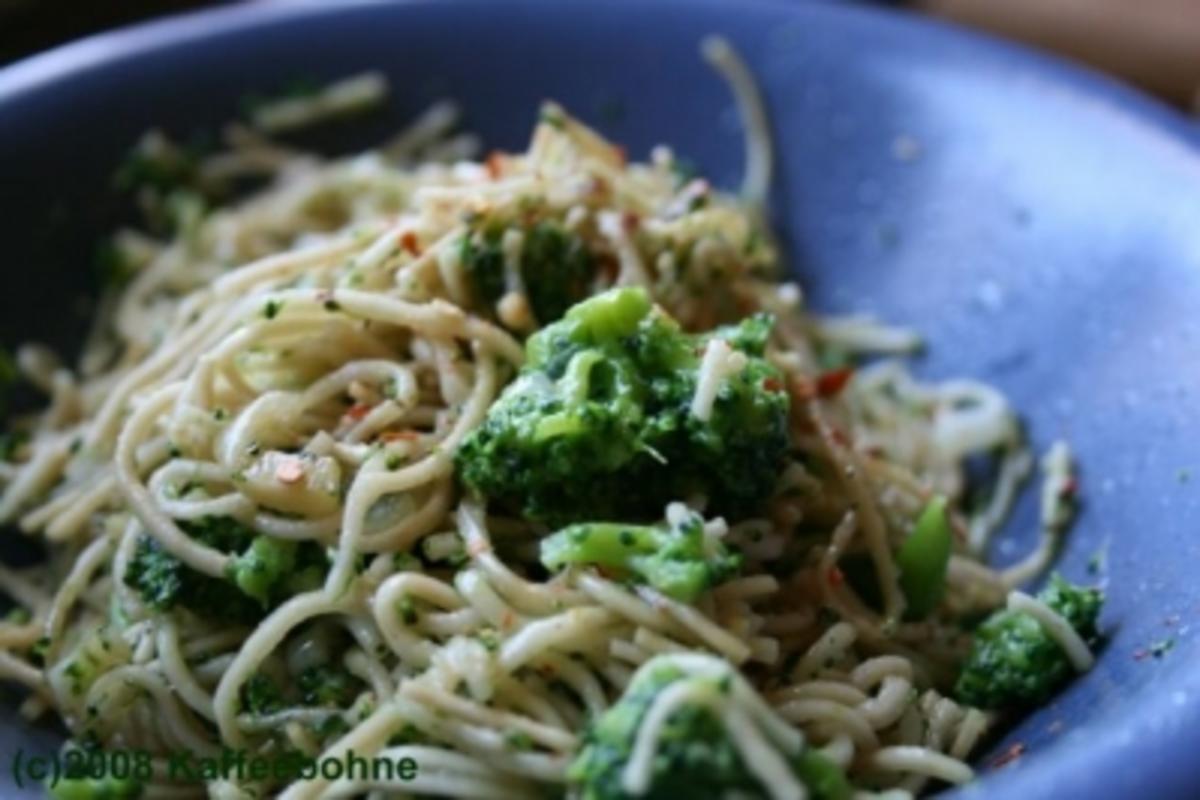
(534, 469)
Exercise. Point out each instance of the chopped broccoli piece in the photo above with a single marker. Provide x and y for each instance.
(263, 566)
(328, 685)
(824, 779)
(222, 533)
(1014, 661)
(158, 164)
(598, 425)
(519, 741)
(676, 559)
(261, 695)
(164, 582)
(556, 267)
(483, 261)
(107, 788)
(694, 756)
(265, 572)
(98, 652)
(18, 616)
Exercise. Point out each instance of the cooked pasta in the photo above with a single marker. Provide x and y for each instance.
(260, 534)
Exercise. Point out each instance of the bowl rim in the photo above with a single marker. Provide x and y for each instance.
(1156, 742)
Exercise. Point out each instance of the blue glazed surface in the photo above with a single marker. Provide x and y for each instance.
(1046, 237)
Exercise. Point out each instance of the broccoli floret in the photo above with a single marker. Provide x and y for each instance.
(95, 789)
(263, 566)
(556, 267)
(164, 583)
(677, 559)
(328, 685)
(694, 756)
(599, 423)
(265, 572)
(1014, 662)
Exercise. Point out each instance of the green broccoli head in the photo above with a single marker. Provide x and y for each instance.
(599, 424)
(1014, 662)
(694, 754)
(264, 573)
(679, 559)
(556, 267)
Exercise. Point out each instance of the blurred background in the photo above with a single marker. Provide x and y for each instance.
(1154, 44)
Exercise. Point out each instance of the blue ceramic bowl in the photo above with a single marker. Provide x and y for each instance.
(1046, 237)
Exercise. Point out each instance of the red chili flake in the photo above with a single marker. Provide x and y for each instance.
(841, 438)
(630, 221)
(622, 156)
(832, 382)
(398, 436)
(290, 471)
(835, 576)
(408, 240)
(1141, 654)
(1070, 487)
(1014, 752)
(495, 164)
(358, 411)
(802, 389)
(772, 384)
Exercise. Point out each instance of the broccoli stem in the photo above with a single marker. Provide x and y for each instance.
(923, 559)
